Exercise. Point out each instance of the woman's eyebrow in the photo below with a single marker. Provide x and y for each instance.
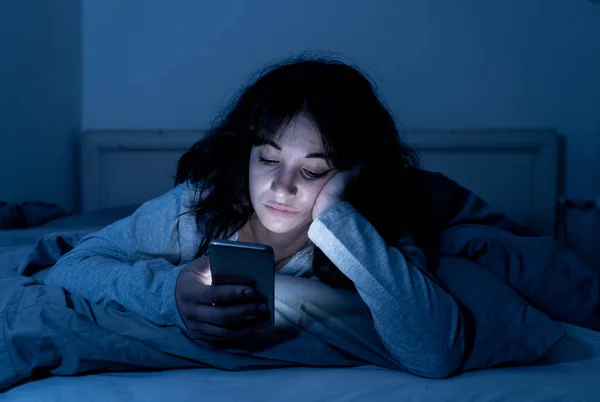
(320, 155)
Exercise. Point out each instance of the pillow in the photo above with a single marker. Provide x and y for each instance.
(502, 328)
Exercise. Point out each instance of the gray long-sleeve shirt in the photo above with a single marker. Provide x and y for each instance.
(135, 262)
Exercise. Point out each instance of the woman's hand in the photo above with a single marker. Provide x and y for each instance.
(220, 312)
(333, 191)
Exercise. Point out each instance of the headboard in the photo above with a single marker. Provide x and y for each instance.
(516, 170)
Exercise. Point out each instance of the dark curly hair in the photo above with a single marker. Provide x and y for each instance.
(355, 127)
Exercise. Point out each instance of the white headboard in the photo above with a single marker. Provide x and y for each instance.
(516, 170)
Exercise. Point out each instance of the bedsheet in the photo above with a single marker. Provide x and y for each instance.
(571, 374)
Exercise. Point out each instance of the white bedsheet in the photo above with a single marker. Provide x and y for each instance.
(571, 374)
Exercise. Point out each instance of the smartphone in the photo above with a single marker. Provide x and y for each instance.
(240, 263)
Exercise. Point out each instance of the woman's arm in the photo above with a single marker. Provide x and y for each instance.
(134, 262)
(419, 323)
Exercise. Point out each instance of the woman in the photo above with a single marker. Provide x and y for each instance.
(300, 162)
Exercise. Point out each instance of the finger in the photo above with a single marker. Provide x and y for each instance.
(205, 276)
(200, 269)
(227, 315)
(201, 263)
(351, 174)
(232, 294)
(198, 293)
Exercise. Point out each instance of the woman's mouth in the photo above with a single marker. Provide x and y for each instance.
(280, 210)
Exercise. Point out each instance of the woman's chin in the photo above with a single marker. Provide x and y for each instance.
(283, 227)
(280, 228)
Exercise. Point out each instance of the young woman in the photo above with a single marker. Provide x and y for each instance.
(306, 160)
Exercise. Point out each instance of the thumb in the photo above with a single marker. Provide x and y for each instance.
(201, 269)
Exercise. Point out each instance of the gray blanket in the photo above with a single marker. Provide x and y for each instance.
(511, 284)
(47, 331)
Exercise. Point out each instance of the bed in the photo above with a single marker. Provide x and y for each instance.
(522, 177)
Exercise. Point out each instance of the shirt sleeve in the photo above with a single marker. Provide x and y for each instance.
(419, 323)
(134, 262)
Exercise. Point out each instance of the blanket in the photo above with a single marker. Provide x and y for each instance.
(47, 331)
(524, 284)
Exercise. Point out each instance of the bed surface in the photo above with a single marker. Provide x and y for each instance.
(571, 375)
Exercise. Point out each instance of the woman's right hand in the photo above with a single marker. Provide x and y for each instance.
(216, 312)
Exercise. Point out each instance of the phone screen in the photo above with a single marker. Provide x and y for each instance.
(240, 263)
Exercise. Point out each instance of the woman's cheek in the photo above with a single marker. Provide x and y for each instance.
(314, 191)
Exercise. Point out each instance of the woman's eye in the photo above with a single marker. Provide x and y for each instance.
(313, 175)
(307, 173)
(267, 161)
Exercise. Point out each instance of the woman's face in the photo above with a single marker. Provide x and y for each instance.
(286, 176)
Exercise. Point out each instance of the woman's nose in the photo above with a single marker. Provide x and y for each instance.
(284, 183)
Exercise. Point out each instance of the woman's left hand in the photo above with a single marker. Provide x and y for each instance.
(333, 191)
